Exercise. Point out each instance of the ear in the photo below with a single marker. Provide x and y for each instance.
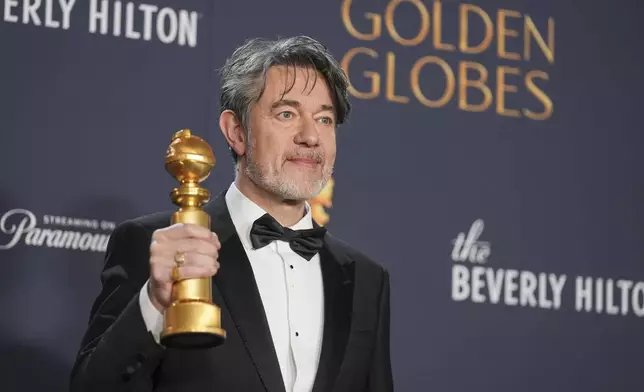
(233, 132)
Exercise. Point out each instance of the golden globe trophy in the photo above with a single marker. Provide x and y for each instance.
(191, 320)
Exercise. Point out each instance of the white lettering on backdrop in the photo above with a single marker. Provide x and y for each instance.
(147, 22)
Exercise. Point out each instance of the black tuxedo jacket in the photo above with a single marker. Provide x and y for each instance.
(118, 353)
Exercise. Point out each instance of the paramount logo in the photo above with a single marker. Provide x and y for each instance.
(80, 234)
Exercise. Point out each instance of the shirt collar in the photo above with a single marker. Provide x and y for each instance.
(244, 212)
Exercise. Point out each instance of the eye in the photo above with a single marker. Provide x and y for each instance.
(326, 120)
(286, 115)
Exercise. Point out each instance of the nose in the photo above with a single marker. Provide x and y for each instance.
(308, 134)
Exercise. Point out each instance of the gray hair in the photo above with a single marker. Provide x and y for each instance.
(243, 76)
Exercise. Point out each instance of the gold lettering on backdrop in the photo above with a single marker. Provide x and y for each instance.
(391, 80)
(449, 85)
(531, 30)
(502, 87)
(539, 94)
(438, 29)
(463, 44)
(512, 36)
(376, 24)
(480, 84)
(391, 27)
(374, 76)
(503, 33)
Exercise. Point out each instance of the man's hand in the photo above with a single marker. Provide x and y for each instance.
(200, 249)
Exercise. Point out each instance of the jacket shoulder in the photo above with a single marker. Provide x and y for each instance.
(149, 222)
(137, 232)
(155, 220)
(362, 260)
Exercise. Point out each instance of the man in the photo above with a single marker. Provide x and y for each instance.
(309, 315)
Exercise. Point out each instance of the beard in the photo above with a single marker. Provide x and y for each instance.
(301, 186)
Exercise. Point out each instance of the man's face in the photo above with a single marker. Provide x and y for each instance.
(291, 146)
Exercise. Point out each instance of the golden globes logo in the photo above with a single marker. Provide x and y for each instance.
(512, 35)
(323, 200)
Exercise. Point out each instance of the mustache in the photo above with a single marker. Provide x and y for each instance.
(314, 155)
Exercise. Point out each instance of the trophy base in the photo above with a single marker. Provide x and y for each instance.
(192, 325)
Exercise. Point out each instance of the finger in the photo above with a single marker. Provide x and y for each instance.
(182, 230)
(189, 259)
(216, 240)
(191, 271)
(199, 260)
(186, 245)
(190, 245)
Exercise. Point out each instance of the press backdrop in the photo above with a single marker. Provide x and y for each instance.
(492, 163)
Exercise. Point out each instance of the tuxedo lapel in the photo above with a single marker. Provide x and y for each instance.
(338, 277)
(236, 283)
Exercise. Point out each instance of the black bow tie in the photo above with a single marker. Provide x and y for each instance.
(306, 243)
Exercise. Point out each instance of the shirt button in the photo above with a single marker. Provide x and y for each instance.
(297, 334)
(291, 267)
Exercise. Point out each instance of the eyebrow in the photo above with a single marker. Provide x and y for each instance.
(296, 104)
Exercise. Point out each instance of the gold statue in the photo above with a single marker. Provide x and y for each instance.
(191, 320)
(322, 200)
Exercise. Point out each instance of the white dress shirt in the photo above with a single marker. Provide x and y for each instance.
(291, 291)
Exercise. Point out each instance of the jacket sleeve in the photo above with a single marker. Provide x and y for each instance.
(117, 352)
(380, 375)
